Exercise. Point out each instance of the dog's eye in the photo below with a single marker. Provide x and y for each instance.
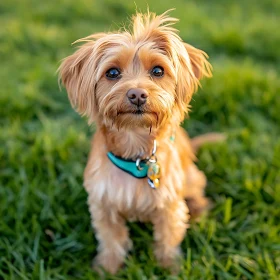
(157, 71)
(113, 73)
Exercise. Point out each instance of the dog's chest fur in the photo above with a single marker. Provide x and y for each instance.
(133, 197)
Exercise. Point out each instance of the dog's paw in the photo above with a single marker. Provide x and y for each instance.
(109, 262)
(170, 260)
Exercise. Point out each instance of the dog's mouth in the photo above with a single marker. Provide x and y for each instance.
(139, 112)
(136, 118)
(134, 112)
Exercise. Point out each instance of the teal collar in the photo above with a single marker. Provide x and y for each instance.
(129, 166)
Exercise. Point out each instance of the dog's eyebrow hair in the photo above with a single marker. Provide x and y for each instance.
(134, 60)
(136, 52)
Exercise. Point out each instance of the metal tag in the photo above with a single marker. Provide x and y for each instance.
(153, 174)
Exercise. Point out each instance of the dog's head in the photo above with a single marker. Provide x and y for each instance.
(141, 78)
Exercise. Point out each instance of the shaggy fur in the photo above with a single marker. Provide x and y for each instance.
(115, 196)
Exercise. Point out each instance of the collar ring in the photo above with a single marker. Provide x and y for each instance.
(137, 163)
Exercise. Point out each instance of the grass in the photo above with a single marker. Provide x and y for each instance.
(45, 230)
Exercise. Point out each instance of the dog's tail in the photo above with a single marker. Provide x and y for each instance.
(213, 137)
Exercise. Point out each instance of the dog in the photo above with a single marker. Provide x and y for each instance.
(136, 87)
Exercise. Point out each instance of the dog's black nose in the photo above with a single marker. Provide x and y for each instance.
(137, 96)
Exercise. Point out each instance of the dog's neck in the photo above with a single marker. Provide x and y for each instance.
(133, 143)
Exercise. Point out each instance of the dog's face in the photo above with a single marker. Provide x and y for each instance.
(138, 79)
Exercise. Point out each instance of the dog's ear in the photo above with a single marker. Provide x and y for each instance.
(200, 65)
(192, 66)
(72, 75)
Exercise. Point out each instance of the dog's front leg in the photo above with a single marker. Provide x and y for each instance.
(112, 235)
(170, 225)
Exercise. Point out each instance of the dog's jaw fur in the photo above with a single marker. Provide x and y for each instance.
(115, 196)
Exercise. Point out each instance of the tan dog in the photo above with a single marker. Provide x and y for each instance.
(136, 87)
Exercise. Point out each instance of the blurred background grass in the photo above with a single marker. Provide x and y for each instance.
(45, 230)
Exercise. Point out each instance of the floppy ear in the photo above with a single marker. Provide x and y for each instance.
(76, 74)
(200, 65)
(192, 66)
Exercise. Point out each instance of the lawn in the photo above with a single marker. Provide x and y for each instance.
(45, 230)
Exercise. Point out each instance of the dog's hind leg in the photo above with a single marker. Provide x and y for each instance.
(196, 183)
